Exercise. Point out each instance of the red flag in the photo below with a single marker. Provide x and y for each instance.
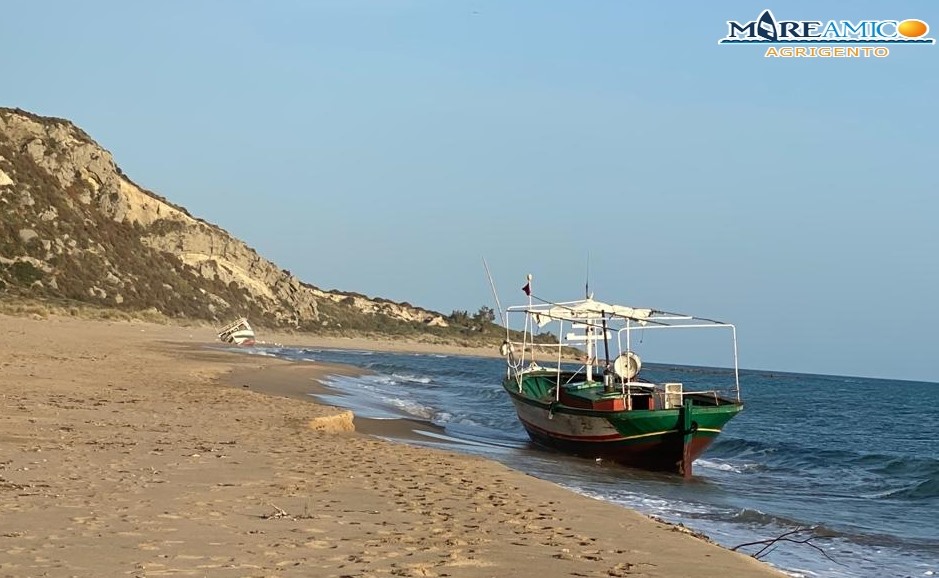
(527, 288)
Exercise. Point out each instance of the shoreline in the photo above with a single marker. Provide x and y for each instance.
(123, 454)
(303, 382)
(386, 344)
(378, 344)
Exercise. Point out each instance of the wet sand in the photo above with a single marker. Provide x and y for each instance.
(130, 449)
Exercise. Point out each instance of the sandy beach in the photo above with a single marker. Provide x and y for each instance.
(132, 449)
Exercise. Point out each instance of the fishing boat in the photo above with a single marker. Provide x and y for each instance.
(238, 332)
(600, 406)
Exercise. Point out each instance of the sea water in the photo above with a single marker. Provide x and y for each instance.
(856, 461)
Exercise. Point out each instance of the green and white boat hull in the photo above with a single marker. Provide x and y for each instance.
(655, 439)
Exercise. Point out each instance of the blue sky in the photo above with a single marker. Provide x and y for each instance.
(387, 146)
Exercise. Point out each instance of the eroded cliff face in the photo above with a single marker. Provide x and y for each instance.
(74, 226)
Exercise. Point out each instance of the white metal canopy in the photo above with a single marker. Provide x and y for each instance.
(589, 309)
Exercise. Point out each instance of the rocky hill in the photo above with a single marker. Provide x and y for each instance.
(74, 227)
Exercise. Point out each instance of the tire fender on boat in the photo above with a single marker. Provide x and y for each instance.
(506, 349)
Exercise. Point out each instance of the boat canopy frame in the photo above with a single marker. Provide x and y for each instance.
(597, 320)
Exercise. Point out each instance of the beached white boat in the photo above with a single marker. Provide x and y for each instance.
(238, 332)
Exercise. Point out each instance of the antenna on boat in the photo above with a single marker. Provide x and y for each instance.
(587, 293)
(587, 282)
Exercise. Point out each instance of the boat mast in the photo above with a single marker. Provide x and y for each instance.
(606, 344)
